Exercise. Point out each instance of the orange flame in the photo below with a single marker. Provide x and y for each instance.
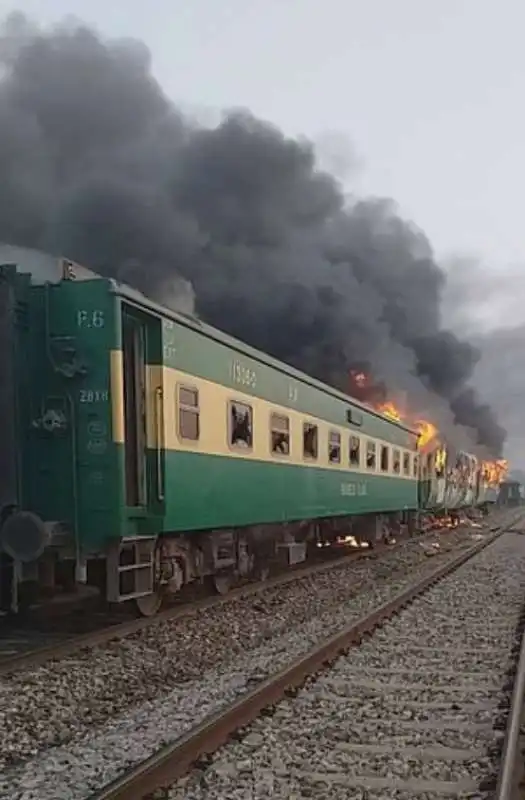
(426, 431)
(495, 472)
(390, 410)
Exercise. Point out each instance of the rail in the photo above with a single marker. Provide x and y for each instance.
(174, 760)
(509, 775)
(40, 655)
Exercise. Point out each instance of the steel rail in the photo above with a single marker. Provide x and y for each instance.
(175, 759)
(508, 777)
(119, 630)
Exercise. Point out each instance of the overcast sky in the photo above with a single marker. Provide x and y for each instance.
(429, 93)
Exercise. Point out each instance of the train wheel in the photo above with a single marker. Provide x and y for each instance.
(149, 605)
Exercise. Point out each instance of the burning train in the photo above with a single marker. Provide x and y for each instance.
(142, 450)
(450, 479)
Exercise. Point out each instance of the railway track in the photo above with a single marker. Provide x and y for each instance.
(30, 645)
(428, 705)
(73, 724)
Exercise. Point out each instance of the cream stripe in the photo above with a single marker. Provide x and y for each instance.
(116, 376)
(214, 418)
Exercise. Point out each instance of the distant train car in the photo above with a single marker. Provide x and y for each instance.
(449, 479)
(488, 487)
(511, 493)
(144, 449)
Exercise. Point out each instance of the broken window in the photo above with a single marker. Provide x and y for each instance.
(355, 451)
(416, 467)
(406, 463)
(280, 434)
(384, 458)
(334, 447)
(188, 413)
(310, 445)
(241, 425)
(371, 455)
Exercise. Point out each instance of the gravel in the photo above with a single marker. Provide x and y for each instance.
(70, 726)
(418, 704)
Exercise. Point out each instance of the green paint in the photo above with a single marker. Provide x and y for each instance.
(205, 491)
(203, 356)
(74, 473)
(69, 469)
(205, 352)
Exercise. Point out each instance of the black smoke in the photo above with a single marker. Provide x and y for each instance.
(96, 163)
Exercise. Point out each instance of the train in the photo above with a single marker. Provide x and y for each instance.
(511, 493)
(143, 450)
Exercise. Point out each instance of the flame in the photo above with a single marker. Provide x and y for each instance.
(427, 431)
(441, 459)
(390, 410)
(495, 472)
(502, 465)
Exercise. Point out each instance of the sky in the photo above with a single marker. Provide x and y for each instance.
(422, 100)
(411, 99)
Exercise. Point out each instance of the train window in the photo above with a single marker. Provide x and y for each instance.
(189, 413)
(370, 455)
(310, 440)
(396, 461)
(280, 434)
(384, 458)
(241, 425)
(355, 456)
(406, 463)
(415, 466)
(334, 447)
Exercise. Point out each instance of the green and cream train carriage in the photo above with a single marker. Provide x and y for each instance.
(163, 450)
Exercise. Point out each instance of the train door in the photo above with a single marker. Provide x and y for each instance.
(132, 564)
(134, 368)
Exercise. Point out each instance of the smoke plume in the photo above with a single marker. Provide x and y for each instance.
(486, 305)
(96, 163)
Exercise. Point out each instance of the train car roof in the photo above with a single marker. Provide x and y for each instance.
(190, 321)
(45, 268)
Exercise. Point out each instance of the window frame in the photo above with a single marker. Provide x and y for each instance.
(307, 456)
(179, 407)
(384, 448)
(272, 430)
(394, 451)
(406, 464)
(236, 448)
(357, 463)
(371, 443)
(333, 432)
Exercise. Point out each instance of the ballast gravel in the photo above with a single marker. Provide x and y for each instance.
(418, 707)
(69, 727)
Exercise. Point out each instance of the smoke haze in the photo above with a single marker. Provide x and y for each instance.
(97, 164)
(486, 305)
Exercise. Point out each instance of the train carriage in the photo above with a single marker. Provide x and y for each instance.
(153, 445)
